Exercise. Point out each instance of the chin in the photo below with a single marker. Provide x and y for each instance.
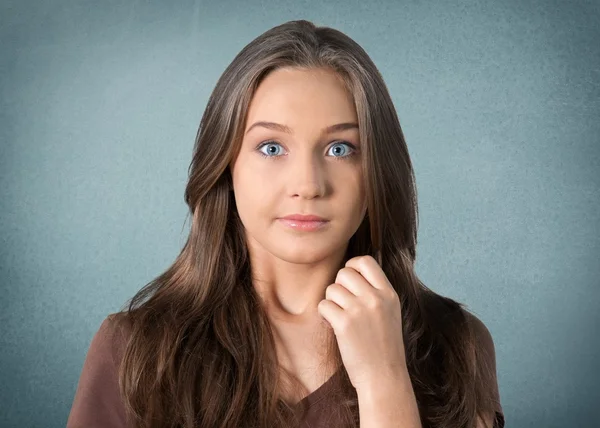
(303, 254)
(307, 252)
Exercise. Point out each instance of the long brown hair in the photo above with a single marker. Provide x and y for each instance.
(201, 351)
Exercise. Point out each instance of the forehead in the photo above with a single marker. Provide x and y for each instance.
(288, 95)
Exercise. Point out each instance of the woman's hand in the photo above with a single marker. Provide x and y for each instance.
(364, 311)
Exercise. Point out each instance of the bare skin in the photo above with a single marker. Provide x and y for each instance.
(307, 171)
(301, 350)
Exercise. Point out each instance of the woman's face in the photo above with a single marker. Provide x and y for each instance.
(302, 169)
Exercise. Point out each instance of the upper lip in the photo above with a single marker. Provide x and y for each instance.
(304, 217)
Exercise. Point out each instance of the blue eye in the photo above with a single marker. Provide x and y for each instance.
(272, 144)
(268, 143)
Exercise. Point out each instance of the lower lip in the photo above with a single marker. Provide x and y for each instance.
(303, 225)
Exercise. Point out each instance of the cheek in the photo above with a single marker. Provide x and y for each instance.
(359, 205)
(355, 194)
(253, 175)
(253, 202)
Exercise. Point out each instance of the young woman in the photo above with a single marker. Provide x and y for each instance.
(269, 318)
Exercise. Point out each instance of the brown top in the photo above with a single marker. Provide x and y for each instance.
(97, 402)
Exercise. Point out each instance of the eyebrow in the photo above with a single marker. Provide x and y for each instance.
(283, 128)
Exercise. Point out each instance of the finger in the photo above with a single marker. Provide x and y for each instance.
(330, 311)
(353, 281)
(340, 295)
(368, 267)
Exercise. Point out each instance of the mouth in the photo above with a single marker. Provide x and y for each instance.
(304, 225)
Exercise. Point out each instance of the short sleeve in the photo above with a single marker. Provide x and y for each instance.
(486, 366)
(97, 401)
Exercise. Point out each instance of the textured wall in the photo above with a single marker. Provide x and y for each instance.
(499, 102)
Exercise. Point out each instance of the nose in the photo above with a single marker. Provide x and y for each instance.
(307, 176)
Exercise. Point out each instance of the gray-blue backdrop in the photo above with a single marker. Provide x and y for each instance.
(499, 102)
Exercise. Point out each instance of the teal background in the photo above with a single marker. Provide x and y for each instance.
(499, 102)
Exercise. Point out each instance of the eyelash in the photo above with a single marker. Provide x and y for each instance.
(352, 154)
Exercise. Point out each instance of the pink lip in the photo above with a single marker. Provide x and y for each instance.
(303, 225)
(301, 217)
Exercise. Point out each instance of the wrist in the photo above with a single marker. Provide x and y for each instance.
(385, 383)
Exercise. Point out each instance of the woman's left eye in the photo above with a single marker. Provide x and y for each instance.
(333, 146)
(341, 144)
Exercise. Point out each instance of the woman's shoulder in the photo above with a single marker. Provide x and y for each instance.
(482, 334)
(112, 335)
(108, 345)
(444, 314)
(108, 341)
(486, 362)
(116, 324)
(97, 398)
(484, 346)
(445, 311)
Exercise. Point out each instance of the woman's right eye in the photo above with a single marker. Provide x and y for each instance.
(266, 144)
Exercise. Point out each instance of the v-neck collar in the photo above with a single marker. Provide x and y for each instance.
(320, 393)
